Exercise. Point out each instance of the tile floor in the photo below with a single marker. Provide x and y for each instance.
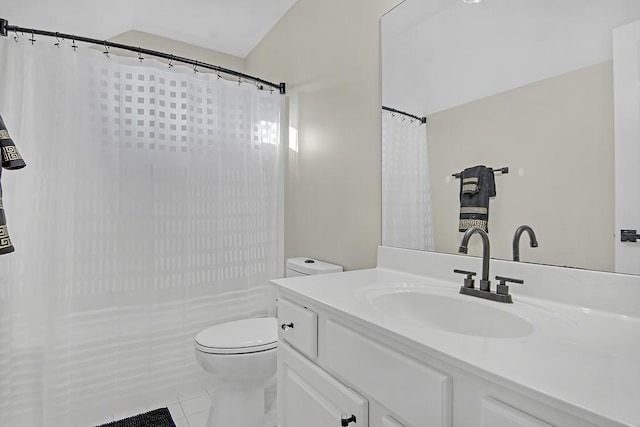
(189, 410)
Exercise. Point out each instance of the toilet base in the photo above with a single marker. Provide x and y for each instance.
(237, 405)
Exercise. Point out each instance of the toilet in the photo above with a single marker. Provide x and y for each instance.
(241, 356)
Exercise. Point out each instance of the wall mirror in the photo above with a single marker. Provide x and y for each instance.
(525, 84)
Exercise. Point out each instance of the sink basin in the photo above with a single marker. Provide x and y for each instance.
(454, 313)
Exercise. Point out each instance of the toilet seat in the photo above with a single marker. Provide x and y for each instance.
(239, 337)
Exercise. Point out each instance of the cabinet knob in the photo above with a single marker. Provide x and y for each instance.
(286, 326)
(346, 420)
(629, 236)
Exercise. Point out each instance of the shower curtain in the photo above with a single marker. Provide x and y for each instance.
(150, 208)
(406, 203)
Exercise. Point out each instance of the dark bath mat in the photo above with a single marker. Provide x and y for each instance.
(156, 418)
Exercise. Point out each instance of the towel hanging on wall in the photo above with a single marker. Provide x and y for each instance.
(11, 159)
(477, 185)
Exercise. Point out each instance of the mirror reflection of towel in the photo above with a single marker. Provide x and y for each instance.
(477, 185)
(11, 159)
(5, 241)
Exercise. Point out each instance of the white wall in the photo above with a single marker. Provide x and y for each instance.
(328, 53)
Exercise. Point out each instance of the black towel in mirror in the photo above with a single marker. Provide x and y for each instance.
(5, 241)
(11, 159)
(477, 185)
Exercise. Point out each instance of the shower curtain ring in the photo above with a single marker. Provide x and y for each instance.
(170, 62)
(74, 46)
(32, 39)
(57, 43)
(140, 58)
(16, 37)
(106, 49)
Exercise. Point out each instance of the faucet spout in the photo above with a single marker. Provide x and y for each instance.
(533, 242)
(484, 283)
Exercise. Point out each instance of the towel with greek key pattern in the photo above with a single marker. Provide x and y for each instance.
(477, 185)
(11, 159)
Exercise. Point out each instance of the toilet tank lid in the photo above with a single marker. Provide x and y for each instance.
(312, 266)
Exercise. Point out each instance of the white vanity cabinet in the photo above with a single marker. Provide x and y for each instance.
(402, 338)
(353, 378)
(334, 368)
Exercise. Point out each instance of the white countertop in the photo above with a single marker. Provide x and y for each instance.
(584, 357)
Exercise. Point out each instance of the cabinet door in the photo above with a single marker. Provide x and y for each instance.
(497, 414)
(418, 393)
(310, 397)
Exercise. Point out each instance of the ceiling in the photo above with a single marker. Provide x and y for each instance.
(234, 27)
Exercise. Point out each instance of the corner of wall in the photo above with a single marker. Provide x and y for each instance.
(328, 54)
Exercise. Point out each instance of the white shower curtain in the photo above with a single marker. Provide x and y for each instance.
(406, 202)
(150, 208)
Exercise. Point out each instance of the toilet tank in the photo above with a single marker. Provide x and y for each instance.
(308, 266)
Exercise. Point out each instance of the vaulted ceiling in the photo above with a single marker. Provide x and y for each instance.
(234, 27)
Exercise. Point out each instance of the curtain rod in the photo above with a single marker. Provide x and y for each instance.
(5, 28)
(422, 120)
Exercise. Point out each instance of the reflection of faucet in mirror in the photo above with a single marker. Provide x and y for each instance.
(485, 284)
(533, 242)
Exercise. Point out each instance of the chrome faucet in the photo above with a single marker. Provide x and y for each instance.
(485, 283)
(533, 242)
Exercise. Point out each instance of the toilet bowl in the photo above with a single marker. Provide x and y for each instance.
(241, 356)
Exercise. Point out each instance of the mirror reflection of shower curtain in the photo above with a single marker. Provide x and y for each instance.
(406, 218)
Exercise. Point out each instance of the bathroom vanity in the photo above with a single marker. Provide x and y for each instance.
(398, 345)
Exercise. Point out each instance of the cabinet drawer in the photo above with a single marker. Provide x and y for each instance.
(415, 392)
(298, 326)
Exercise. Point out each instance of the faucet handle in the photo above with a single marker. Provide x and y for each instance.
(468, 282)
(502, 288)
